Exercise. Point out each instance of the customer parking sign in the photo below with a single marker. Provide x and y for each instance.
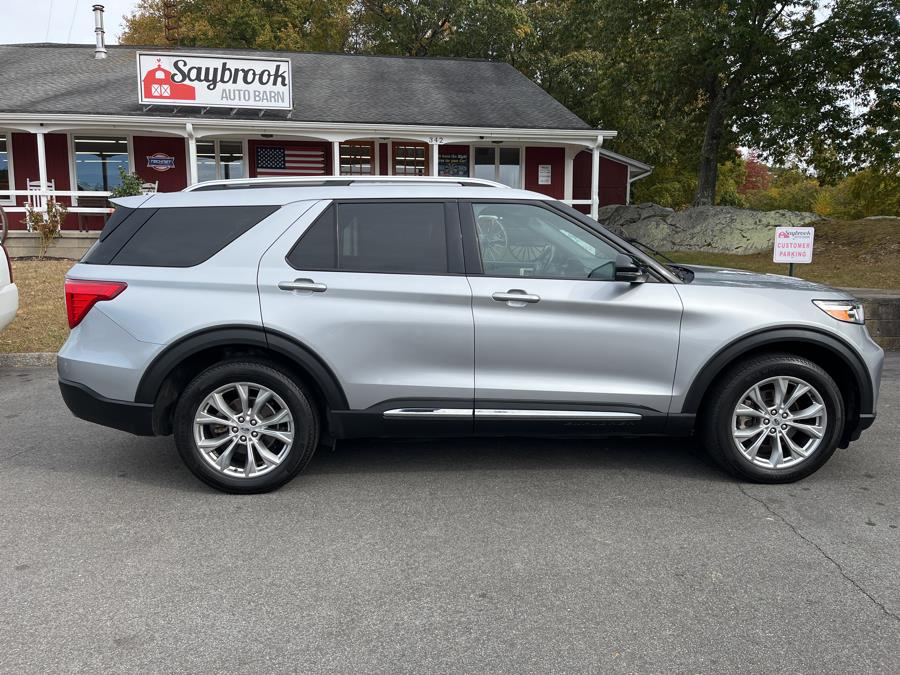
(794, 244)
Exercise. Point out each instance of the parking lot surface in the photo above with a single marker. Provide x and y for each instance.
(453, 556)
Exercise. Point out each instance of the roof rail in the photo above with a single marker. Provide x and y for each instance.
(319, 181)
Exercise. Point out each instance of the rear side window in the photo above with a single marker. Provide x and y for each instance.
(388, 237)
(174, 237)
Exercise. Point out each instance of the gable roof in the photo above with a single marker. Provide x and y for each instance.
(329, 88)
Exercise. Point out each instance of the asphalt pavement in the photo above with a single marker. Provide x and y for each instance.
(453, 556)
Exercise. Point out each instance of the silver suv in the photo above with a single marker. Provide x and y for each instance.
(257, 320)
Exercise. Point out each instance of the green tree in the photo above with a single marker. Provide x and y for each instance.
(312, 25)
(771, 75)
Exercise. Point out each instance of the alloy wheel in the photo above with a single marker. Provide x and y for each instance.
(243, 430)
(779, 422)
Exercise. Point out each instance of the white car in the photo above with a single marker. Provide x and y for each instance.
(9, 294)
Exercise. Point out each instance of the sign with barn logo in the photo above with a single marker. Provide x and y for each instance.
(160, 161)
(793, 244)
(182, 78)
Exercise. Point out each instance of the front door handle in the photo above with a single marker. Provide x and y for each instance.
(302, 285)
(515, 295)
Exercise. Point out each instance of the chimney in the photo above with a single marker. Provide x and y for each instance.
(99, 33)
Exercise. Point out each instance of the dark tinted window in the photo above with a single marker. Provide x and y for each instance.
(183, 237)
(120, 227)
(317, 248)
(408, 238)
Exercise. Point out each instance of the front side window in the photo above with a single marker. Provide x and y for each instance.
(5, 169)
(387, 237)
(98, 160)
(523, 240)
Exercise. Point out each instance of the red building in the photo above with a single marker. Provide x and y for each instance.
(69, 122)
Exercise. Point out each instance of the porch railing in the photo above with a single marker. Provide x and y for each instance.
(44, 195)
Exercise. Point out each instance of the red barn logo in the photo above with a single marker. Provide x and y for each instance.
(158, 84)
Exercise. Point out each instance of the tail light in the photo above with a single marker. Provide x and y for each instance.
(82, 295)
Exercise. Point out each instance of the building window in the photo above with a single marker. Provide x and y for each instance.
(6, 177)
(357, 158)
(220, 159)
(206, 161)
(98, 161)
(453, 163)
(410, 159)
(500, 164)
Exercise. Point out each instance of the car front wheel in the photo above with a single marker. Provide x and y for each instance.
(245, 427)
(774, 418)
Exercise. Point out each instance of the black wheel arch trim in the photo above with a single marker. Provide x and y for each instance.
(772, 336)
(236, 336)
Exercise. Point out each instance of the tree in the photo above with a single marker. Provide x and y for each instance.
(771, 75)
(312, 25)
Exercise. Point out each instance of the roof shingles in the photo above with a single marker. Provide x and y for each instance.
(329, 88)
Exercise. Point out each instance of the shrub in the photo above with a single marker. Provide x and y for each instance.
(130, 187)
(47, 224)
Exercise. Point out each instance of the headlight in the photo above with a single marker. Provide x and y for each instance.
(849, 311)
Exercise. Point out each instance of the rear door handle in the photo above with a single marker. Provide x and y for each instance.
(516, 295)
(302, 285)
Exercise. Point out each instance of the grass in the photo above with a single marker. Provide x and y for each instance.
(856, 254)
(851, 254)
(40, 324)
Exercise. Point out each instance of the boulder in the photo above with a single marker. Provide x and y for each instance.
(723, 229)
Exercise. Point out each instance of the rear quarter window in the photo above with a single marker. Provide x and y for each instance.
(173, 237)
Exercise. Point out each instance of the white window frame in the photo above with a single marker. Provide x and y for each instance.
(217, 153)
(11, 201)
(496, 148)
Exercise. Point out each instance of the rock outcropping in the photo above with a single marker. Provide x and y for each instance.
(721, 229)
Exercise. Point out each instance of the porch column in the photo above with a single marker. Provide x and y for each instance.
(42, 166)
(569, 173)
(192, 175)
(390, 158)
(335, 158)
(433, 159)
(595, 181)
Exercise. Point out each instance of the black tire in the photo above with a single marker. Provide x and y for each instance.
(716, 418)
(305, 419)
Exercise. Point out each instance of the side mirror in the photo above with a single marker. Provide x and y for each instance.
(628, 270)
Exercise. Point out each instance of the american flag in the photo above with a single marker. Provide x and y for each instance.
(286, 161)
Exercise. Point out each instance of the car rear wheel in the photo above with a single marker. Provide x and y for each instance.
(245, 427)
(774, 418)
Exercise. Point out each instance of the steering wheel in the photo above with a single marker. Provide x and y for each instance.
(492, 237)
(539, 255)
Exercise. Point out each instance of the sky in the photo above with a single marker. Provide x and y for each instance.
(59, 20)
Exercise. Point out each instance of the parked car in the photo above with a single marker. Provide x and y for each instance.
(9, 293)
(256, 320)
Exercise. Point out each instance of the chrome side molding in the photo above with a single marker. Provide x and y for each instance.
(427, 413)
(502, 413)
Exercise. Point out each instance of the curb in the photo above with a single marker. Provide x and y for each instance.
(28, 360)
